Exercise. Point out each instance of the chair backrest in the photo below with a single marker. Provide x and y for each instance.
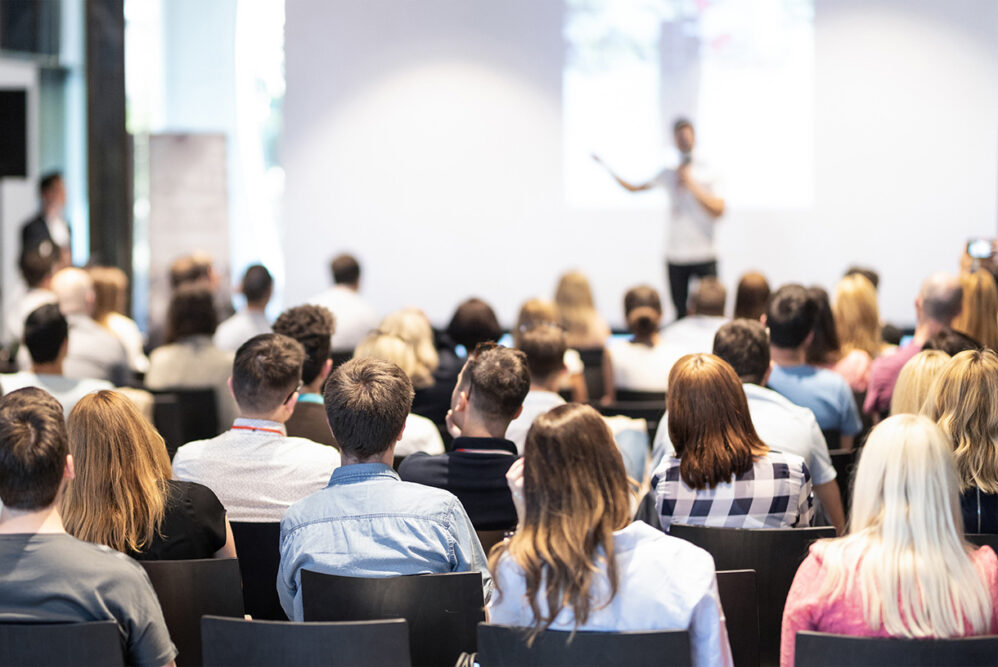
(237, 643)
(258, 546)
(190, 589)
(818, 649)
(651, 411)
(490, 538)
(833, 438)
(506, 646)
(740, 603)
(983, 539)
(844, 462)
(183, 415)
(441, 609)
(631, 396)
(60, 644)
(774, 554)
(592, 360)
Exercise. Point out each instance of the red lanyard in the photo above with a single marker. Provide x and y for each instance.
(257, 428)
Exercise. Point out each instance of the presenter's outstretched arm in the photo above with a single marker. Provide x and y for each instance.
(630, 187)
(709, 201)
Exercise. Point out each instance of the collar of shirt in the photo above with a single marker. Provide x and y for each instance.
(259, 425)
(310, 398)
(491, 444)
(358, 472)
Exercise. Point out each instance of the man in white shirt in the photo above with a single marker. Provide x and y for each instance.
(545, 349)
(695, 208)
(257, 287)
(37, 268)
(254, 468)
(695, 334)
(355, 318)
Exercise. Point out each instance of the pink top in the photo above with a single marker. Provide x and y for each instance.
(884, 375)
(805, 610)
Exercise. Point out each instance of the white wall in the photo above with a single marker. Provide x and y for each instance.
(426, 138)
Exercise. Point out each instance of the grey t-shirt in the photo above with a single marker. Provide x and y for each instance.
(56, 578)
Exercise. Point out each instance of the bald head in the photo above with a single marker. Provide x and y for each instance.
(75, 291)
(940, 298)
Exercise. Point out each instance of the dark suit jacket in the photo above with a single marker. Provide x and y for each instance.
(309, 421)
(35, 231)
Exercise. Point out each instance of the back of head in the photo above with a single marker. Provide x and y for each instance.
(75, 291)
(576, 307)
(535, 312)
(193, 268)
(496, 380)
(915, 380)
(575, 495)
(906, 537)
(709, 422)
(33, 449)
(118, 496)
(49, 181)
(191, 312)
(367, 402)
(865, 272)
(258, 285)
(708, 298)
(857, 318)
(824, 347)
(412, 326)
(266, 370)
(45, 332)
(790, 316)
(951, 342)
(545, 348)
(312, 327)
(345, 269)
(643, 310)
(474, 322)
(963, 400)
(744, 345)
(941, 298)
(110, 291)
(37, 265)
(752, 296)
(396, 350)
(978, 316)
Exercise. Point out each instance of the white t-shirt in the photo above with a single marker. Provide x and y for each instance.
(420, 435)
(34, 298)
(691, 335)
(239, 328)
(68, 391)
(354, 317)
(690, 237)
(640, 367)
(535, 404)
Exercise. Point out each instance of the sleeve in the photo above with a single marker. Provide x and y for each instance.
(147, 639)
(508, 606)
(851, 423)
(821, 467)
(468, 553)
(209, 514)
(287, 575)
(797, 612)
(805, 503)
(662, 448)
(180, 469)
(708, 633)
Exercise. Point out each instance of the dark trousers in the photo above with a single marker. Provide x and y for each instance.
(679, 281)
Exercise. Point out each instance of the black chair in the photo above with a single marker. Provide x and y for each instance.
(490, 538)
(631, 396)
(506, 646)
(442, 609)
(774, 554)
(60, 644)
(592, 359)
(183, 415)
(844, 462)
(238, 643)
(739, 600)
(818, 649)
(258, 546)
(190, 589)
(651, 411)
(983, 539)
(340, 357)
(833, 438)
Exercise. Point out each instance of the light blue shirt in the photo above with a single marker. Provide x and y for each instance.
(823, 392)
(369, 523)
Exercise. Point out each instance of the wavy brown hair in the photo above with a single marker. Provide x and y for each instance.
(709, 421)
(575, 496)
(118, 497)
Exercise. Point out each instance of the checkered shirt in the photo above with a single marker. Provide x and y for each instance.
(774, 493)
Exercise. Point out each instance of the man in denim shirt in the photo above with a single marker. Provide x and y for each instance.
(368, 522)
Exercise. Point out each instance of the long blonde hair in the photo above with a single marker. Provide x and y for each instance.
(905, 549)
(412, 326)
(119, 495)
(533, 313)
(583, 325)
(915, 380)
(857, 319)
(394, 348)
(963, 400)
(979, 316)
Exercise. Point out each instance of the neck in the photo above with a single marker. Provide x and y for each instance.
(257, 307)
(475, 426)
(387, 457)
(315, 387)
(353, 287)
(277, 415)
(926, 330)
(550, 384)
(646, 339)
(48, 368)
(787, 356)
(46, 520)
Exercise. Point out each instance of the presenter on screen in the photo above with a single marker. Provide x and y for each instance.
(689, 247)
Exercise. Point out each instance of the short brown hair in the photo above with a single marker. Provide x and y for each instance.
(33, 449)
(191, 312)
(266, 368)
(752, 296)
(345, 269)
(744, 344)
(545, 349)
(367, 402)
(497, 379)
(709, 297)
(474, 322)
(313, 327)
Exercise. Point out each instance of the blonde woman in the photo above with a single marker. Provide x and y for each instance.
(584, 328)
(539, 312)
(110, 302)
(963, 400)
(857, 323)
(411, 325)
(904, 569)
(979, 316)
(123, 496)
(915, 380)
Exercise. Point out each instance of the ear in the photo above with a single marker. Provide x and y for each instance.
(228, 383)
(462, 402)
(807, 341)
(762, 318)
(765, 377)
(327, 368)
(70, 471)
(401, 433)
(519, 411)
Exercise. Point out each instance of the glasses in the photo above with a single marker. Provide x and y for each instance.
(297, 389)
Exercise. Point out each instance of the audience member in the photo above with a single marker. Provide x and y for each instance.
(791, 319)
(473, 322)
(189, 360)
(824, 349)
(110, 304)
(782, 425)
(94, 352)
(545, 349)
(751, 296)
(257, 287)
(432, 400)
(488, 395)
(577, 562)
(196, 268)
(889, 333)
(37, 271)
(48, 232)
(936, 306)
(904, 569)
(952, 342)
(641, 363)
(313, 327)
(355, 318)
(392, 527)
(963, 400)
(584, 328)
(47, 576)
(421, 434)
(254, 468)
(857, 323)
(722, 474)
(978, 316)
(122, 495)
(695, 333)
(46, 335)
(536, 312)
(915, 381)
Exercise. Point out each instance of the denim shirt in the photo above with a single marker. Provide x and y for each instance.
(369, 523)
